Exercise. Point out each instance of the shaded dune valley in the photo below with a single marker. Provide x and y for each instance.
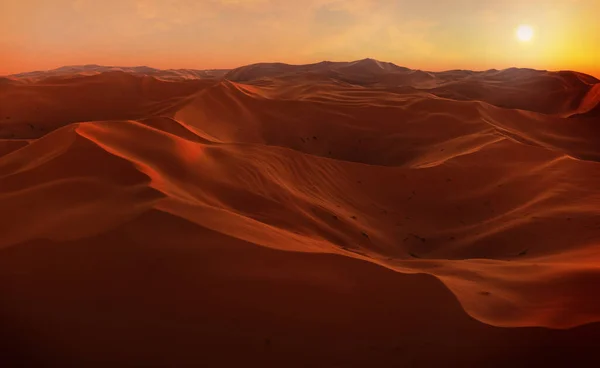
(338, 214)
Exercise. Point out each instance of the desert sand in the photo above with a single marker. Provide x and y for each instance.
(353, 214)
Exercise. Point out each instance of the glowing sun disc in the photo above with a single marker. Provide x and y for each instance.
(525, 33)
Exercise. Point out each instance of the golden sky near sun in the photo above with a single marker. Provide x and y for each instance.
(201, 34)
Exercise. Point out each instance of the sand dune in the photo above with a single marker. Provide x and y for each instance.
(527, 89)
(33, 109)
(590, 104)
(335, 214)
(83, 70)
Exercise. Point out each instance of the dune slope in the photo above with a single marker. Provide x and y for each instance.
(299, 219)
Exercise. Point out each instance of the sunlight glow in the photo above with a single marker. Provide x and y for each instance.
(525, 33)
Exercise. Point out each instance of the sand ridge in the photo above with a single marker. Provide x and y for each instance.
(353, 213)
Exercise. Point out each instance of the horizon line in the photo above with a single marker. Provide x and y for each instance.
(595, 75)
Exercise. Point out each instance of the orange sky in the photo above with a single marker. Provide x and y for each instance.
(201, 34)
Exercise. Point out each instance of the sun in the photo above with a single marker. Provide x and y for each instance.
(525, 33)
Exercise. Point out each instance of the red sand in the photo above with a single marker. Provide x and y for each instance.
(331, 215)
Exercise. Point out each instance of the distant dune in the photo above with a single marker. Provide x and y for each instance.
(355, 214)
(527, 89)
(82, 70)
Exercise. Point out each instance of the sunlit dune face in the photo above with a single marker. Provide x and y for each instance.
(525, 33)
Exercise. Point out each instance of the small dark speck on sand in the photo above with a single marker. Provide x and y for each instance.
(365, 235)
(419, 238)
(485, 293)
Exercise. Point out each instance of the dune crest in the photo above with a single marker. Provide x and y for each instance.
(89, 70)
(394, 208)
